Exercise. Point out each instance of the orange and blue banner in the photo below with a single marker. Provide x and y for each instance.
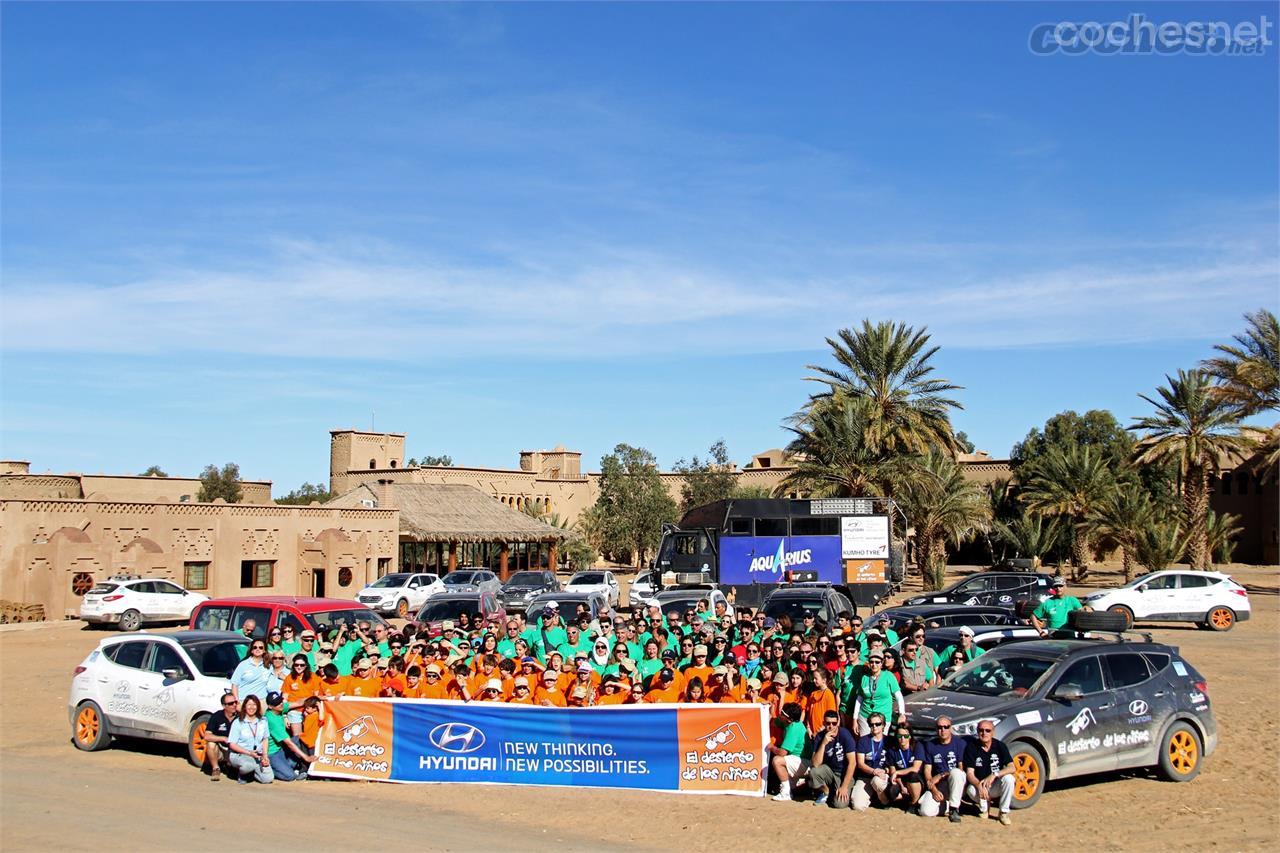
(711, 749)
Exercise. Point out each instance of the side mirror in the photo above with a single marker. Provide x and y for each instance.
(184, 592)
(175, 675)
(1142, 589)
(1068, 693)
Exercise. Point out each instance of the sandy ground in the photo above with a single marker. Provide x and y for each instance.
(146, 797)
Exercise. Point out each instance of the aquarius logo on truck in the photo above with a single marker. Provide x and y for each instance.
(783, 559)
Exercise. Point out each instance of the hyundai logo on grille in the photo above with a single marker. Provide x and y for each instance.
(459, 738)
(1137, 707)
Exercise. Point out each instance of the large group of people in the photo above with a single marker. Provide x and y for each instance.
(835, 693)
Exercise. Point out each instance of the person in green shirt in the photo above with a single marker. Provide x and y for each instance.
(789, 763)
(290, 641)
(1051, 614)
(288, 760)
(550, 635)
(574, 642)
(965, 645)
(877, 692)
(507, 645)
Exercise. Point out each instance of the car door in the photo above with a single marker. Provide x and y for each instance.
(975, 590)
(1194, 597)
(1080, 725)
(172, 599)
(1141, 703)
(1156, 597)
(132, 686)
(1009, 589)
(167, 698)
(144, 599)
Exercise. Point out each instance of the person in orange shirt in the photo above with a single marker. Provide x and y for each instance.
(310, 724)
(549, 694)
(698, 668)
(611, 692)
(637, 696)
(664, 689)
(413, 682)
(299, 684)
(362, 682)
(720, 690)
(819, 700)
(579, 697)
(458, 685)
(585, 680)
(520, 693)
(332, 685)
(487, 671)
(393, 682)
(491, 691)
(693, 691)
(752, 687)
(433, 684)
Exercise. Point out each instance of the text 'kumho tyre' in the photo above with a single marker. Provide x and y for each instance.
(1090, 620)
(1031, 773)
(89, 728)
(1181, 753)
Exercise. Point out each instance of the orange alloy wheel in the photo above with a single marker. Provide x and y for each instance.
(1028, 777)
(1184, 753)
(198, 742)
(88, 724)
(1221, 618)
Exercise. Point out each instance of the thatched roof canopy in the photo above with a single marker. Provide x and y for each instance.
(437, 512)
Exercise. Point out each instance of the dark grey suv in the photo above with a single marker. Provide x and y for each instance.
(523, 587)
(1070, 707)
(1000, 589)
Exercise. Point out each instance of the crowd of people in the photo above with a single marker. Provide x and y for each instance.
(835, 693)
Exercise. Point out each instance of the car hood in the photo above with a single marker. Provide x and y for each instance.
(928, 705)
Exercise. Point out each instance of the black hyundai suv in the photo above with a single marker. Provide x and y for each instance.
(1002, 589)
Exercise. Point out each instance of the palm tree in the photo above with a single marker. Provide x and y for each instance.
(1029, 535)
(1161, 544)
(888, 365)
(1122, 518)
(1248, 377)
(943, 507)
(1222, 532)
(831, 455)
(1071, 482)
(1193, 428)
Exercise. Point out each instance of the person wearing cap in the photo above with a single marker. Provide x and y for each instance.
(834, 757)
(491, 691)
(786, 757)
(877, 692)
(364, 682)
(520, 692)
(884, 627)
(549, 693)
(434, 684)
(306, 645)
(478, 683)
(751, 690)
(551, 634)
(665, 688)
(288, 760)
(698, 667)
(966, 646)
(721, 687)
(579, 697)
(1052, 613)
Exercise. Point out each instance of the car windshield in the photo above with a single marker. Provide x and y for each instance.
(568, 605)
(459, 578)
(796, 608)
(525, 579)
(589, 578)
(679, 599)
(390, 581)
(437, 610)
(326, 619)
(216, 658)
(992, 676)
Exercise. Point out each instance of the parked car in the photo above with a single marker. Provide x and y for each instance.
(401, 593)
(641, 591)
(130, 601)
(523, 587)
(1002, 589)
(1071, 707)
(316, 614)
(946, 615)
(1210, 599)
(480, 607)
(596, 581)
(156, 686)
(472, 580)
(684, 598)
(567, 600)
(826, 601)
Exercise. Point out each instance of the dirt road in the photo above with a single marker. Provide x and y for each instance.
(146, 797)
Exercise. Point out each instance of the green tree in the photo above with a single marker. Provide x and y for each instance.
(943, 507)
(706, 480)
(889, 366)
(1030, 535)
(1071, 481)
(633, 502)
(305, 494)
(1162, 543)
(431, 462)
(224, 483)
(1122, 518)
(153, 471)
(963, 444)
(744, 493)
(832, 456)
(1193, 429)
(1096, 428)
(1222, 531)
(1248, 378)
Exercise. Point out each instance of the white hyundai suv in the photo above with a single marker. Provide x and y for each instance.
(157, 686)
(131, 601)
(401, 593)
(1210, 599)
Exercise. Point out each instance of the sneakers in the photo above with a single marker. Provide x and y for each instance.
(1005, 820)
(822, 800)
(215, 777)
(954, 815)
(783, 795)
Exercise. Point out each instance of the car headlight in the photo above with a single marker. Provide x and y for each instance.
(970, 728)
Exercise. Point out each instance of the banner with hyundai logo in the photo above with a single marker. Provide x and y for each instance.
(713, 749)
(763, 559)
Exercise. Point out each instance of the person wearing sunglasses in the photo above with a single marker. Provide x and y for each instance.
(834, 751)
(872, 781)
(277, 670)
(943, 774)
(216, 734)
(990, 772)
(251, 674)
(876, 692)
(275, 641)
(906, 758)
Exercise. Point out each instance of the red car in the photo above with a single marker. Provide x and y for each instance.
(317, 614)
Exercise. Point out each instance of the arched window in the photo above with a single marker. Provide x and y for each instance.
(393, 463)
(373, 463)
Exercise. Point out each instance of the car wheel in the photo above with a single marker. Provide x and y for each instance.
(1221, 619)
(89, 728)
(1031, 774)
(1124, 613)
(1180, 753)
(130, 620)
(402, 609)
(195, 740)
(1090, 620)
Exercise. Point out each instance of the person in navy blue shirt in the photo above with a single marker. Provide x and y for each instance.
(873, 765)
(991, 772)
(834, 756)
(943, 774)
(906, 763)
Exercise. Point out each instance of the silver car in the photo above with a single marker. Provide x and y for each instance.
(472, 580)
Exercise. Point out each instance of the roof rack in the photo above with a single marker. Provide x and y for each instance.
(124, 577)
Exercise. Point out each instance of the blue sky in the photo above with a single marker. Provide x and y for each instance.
(230, 228)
